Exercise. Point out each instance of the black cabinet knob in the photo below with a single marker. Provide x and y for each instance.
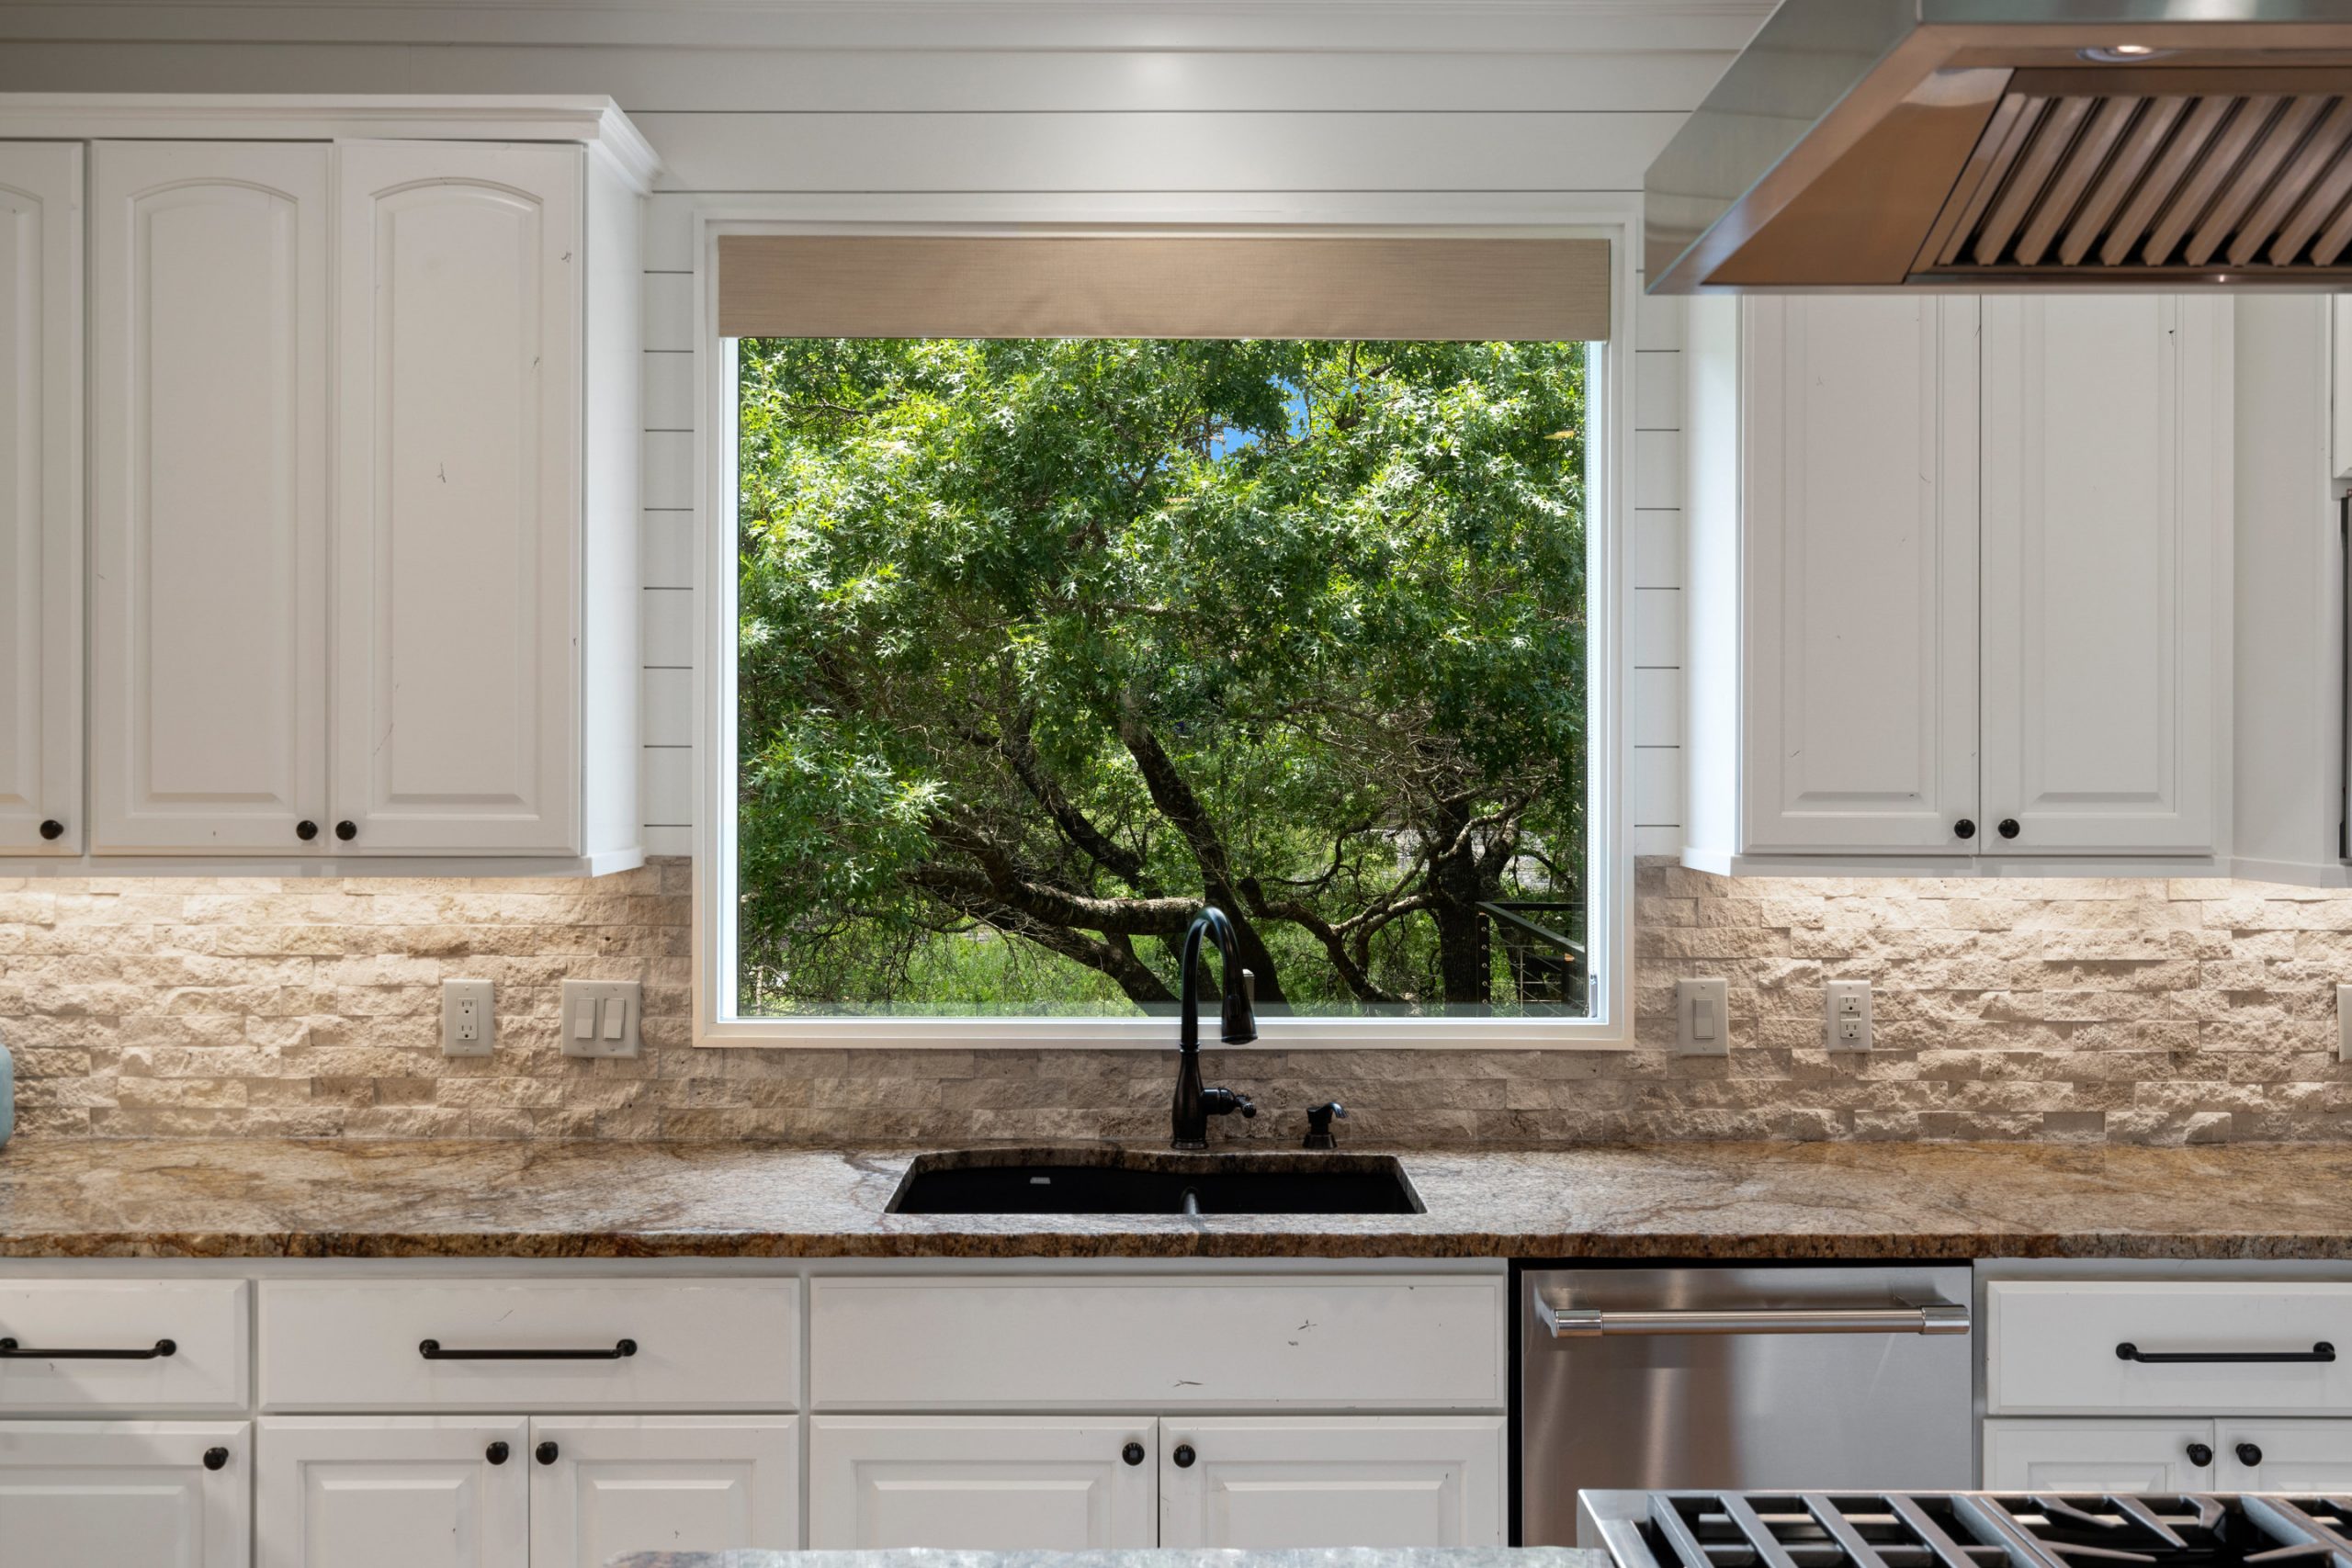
(53, 829)
(346, 830)
(2200, 1455)
(496, 1453)
(2008, 827)
(2249, 1454)
(1184, 1456)
(216, 1459)
(547, 1453)
(306, 830)
(1963, 828)
(1132, 1453)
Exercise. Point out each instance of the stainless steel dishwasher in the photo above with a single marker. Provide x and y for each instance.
(1798, 1378)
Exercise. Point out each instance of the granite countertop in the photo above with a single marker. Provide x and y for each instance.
(1329, 1557)
(72, 1198)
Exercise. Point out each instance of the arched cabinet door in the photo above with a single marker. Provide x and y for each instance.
(209, 495)
(40, 498)
(458, 573)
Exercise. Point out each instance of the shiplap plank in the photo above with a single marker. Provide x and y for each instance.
(1657, 320)
(1657, 468)
(669, 388)
(1657, 628)
(1658, 391)
(669, 471)
(866, 81)
(1656, 718)
(668, 625)
(1657, 786)
(669, 312)
(1658, 550)
(668, 780)
(1663, 839)
(666, 704)
(666, 549)
(1240, 151)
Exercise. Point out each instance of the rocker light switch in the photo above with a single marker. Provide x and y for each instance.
(600, 1016)
(1703, 1018)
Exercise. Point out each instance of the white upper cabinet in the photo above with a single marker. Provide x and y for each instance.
(209, 500)
(2105, 482)
(363, 485)
(1960, 582)
(457, 583)
(1860, 545)
(40, 498)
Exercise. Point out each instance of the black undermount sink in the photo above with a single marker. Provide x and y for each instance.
(1119, 1181)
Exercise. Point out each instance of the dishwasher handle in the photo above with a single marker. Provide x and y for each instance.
(1895, 1317)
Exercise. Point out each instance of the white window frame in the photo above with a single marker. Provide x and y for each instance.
(1610, 499)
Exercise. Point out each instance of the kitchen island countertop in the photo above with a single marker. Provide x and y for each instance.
(76, 1198)
(1329, 1557)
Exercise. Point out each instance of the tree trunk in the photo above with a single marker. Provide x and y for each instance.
(1462, 960)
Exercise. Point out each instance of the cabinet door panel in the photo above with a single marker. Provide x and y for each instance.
(620, 1485)
(2106, 476)
(456, 711)
(1267, 1483)
(40, 496)
(1861, 569)
(209, 495)
(2284, 1456)
(978, 1483)
(2096, 1456)
(391, 1491)
(124, 1492)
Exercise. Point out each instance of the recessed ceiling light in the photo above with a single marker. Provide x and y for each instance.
(2122, 53)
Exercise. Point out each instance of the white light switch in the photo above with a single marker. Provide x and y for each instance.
(1703, 1018)
(466, 1024)
(2344, 1023)
(600, 1018)
(1846, 1026)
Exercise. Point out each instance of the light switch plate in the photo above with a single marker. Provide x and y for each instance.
(1846, 1025)
(466, 1025)
(1703, 1018)
(600, 1016)
(2344, 1023)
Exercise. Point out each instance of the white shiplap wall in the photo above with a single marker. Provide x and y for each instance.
(1490, 110)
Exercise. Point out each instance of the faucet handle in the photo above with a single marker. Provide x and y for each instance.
(1318, 1123)
(1249, 985)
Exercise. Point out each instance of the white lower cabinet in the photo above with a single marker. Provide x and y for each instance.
(2099, 1456)
(503, 1491)
(392, 1491)
(157, 1494)
(603, 1485)
(2283, 1456)
(982, 1482)
(1264, 1483)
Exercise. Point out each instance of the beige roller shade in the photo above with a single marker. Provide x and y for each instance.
(882, 286)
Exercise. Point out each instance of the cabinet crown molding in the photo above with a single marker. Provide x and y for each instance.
(593, 121)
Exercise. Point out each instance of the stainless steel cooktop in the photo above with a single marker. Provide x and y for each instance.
(1967, 1530)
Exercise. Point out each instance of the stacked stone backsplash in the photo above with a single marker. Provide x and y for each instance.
(2140, 1010)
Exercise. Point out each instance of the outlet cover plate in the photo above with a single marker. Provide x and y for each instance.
(468, 1027)
(1845, 1022)
(1703, 1018)
(600, 1016)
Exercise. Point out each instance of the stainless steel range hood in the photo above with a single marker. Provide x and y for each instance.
(1979, 144)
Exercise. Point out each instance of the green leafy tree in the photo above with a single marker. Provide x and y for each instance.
(1043, 642)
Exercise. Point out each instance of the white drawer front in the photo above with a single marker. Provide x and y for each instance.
(699, 1345)
(1315, 1342)
(2050, 1347)
(204, 1320)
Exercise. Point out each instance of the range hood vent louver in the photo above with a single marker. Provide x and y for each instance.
(1995, 151)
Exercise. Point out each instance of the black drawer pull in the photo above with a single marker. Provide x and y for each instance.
(548, 1453)
(2249, 1454)
(432, 1352)
(1132, 1453)
(53, 829)
(1184, 1456)
(2127, 1351)
(10, 1348)
(496, 1453)
(2200, 1455)
(216, 1459)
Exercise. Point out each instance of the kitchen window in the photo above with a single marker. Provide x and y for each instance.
(1071, 583)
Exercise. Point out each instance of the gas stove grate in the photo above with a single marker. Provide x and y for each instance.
(1985, 1530)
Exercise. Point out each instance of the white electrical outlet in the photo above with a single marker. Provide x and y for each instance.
(600, 1016)
(1703, 1018)
(466, 1024)
(1848, 1025)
